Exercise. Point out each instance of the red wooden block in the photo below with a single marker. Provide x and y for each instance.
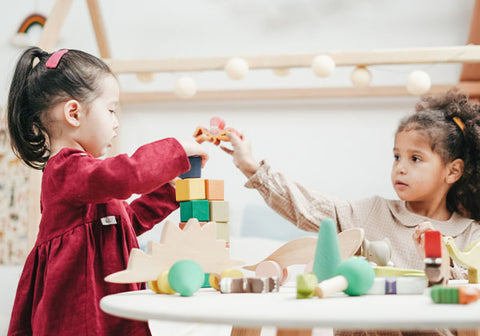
(433, 244)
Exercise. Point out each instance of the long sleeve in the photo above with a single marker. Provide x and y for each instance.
(152, 208)
(301, 206)
(83, 179)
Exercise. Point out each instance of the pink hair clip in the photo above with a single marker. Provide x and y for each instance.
(52, 62)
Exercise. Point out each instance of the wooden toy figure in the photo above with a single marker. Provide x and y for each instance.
(470, 257)
(216, 133)
(433, 259)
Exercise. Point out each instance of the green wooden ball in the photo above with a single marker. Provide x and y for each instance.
(186, 277)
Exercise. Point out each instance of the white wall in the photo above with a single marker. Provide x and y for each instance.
(338, 146)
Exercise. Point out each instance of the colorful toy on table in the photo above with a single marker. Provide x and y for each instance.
(186, 277)
(398, 285)
(327, 253)
(249, 285)
(461, 294)
(194, 242)
(301, 251)
(216, 133)
(389, 271)
(306, 284)
(214, 279)
(436, 274)
(354, 276)
(161, 285)
(469, 258)
(378, 252)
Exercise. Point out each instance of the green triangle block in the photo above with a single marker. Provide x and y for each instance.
(327, 253)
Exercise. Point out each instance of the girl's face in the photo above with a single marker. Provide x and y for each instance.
(100, 122)
(418, 173)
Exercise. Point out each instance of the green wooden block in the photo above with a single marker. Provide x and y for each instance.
(198, 209)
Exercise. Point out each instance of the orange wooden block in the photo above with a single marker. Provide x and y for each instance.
(190, 189)
(214, 190)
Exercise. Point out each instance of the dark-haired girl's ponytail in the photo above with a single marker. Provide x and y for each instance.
(27, 134)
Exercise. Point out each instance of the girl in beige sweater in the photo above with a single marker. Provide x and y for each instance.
(435, 173)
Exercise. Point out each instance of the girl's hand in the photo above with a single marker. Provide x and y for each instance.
(192, 148)
(242, 154)
(419, 237)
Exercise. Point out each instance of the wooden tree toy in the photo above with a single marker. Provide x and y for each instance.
(355, 277)
(327, 253)
(194, 243)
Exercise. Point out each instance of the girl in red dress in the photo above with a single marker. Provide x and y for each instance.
(61, 119)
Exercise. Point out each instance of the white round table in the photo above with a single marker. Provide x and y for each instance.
(283, 310)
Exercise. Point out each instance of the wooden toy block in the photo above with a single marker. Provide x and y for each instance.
(192, 243)
(219, 211)
(214, 190)
(223, 231)
(433, 244)
(461, 294)
(198, 209)
(190, 189)
(195, 168)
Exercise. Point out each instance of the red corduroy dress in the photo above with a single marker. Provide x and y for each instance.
(86, 233)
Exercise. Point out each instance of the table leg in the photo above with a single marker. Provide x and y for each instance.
(294, 332)
(236, 331)
(474, 332)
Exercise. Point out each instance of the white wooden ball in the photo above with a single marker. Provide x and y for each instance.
(185, 87)
(361, 77)
(418, 82)
(323, 65)
(236, 68)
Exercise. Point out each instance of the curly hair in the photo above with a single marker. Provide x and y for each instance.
(440, 118)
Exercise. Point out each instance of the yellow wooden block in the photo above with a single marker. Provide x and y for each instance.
(223, 231)
(190, 189)
(219, 211)
(214, 190)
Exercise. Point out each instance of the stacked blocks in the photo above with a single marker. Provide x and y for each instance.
(202, 199)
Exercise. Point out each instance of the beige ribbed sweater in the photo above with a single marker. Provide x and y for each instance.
(379, 218)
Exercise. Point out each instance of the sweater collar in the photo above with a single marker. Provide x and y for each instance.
(452, 227)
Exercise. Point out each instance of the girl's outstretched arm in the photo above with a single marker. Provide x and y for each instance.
(242, 154)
